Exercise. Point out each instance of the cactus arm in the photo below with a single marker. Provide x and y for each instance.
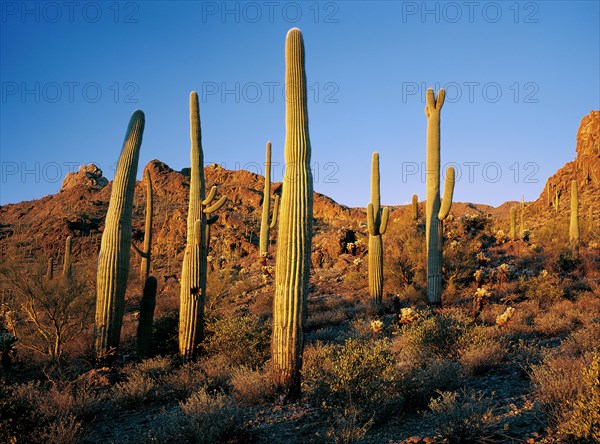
(446, 203)
(141, 253)
(371, 220)
(211, 196)
(275, 216)
(415, 207)
(385, 214)
(216, 206)
(146, 256)
(212, 219)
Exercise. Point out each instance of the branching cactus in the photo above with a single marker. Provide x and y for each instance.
(377, 219)
(67, 266)
(146, 253)
(265, 225)
(436, 210)
(415, 207)
(193, 274)
(513, 223)
(113, 260)
(574, 226)
(146, 319)
(211, 219)
(295, 228)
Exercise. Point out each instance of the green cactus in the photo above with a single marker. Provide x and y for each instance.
(436, 210)
(377, 219)
(193, 274)
(67, 267)
(113, 259)
(265, 226)
(513, 223)
(574, 226)
(522, 217)
(146, 253)
(295, 228)
(146, 318)
(50, 269)
(415, 207)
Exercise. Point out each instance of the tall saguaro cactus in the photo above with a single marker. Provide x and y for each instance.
(193, 273)
(574, 226)
(146, 319)
(113, 260)
(295, 228)
(67, 268)
(436, 210)
(146, 253)
(377, 219)
(265, 226)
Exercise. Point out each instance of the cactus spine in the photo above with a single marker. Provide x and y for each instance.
(146, 319)
(113, 259)
(513, 223)
(295, 228)
(436, 211)
(265, 226)
(67, 270)
(146, 253)
(574, 227)
(377, 220)
(415, 207)
(193, 274)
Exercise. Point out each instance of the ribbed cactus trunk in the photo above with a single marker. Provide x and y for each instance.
(574, 226)
(522, 217)
(147, 252)
(435, 212)
(513, 223)
(193, 286)
(377, 220)
(146, 319)
(265, 225)
(67, 267)
(113, 259)
(415, 207)
(50, 269)
(295, 228)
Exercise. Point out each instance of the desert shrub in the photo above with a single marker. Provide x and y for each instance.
(65, 429)
(252, 386)
(244, 340)
(211, 418)
(325, 318)
(582, 341)
(185, 380)
(421, 381)
(480, 350)
(463, 417)
(359, 377)
(545, 288)
(165, 336)
(561, 318)
(145, 383)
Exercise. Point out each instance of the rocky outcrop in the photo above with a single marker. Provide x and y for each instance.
(89, 176)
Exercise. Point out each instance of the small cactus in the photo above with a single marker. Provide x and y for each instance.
(146, 318)
(146, 253)
(377, 219)
(436, 210)
(50, 269)
(67, 267)
(513, 223)
(574, 226)
(265, 226)
(295, 228)
(522, 216)
(415, 207)
(113, 259)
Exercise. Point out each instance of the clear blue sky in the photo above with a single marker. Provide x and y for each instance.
(519, 78)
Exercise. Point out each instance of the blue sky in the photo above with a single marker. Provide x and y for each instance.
(519, 77)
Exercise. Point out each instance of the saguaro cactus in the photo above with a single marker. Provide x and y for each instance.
(113, 260)
(50, 269)
(67, 268)
(295, 228)
(574, 227)
(265, 226)
(522, 217)
(513, 222)
(193, 274)
(415, 207)
(377, 219)
(436, 210)
(146, 319)
(146, 253)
